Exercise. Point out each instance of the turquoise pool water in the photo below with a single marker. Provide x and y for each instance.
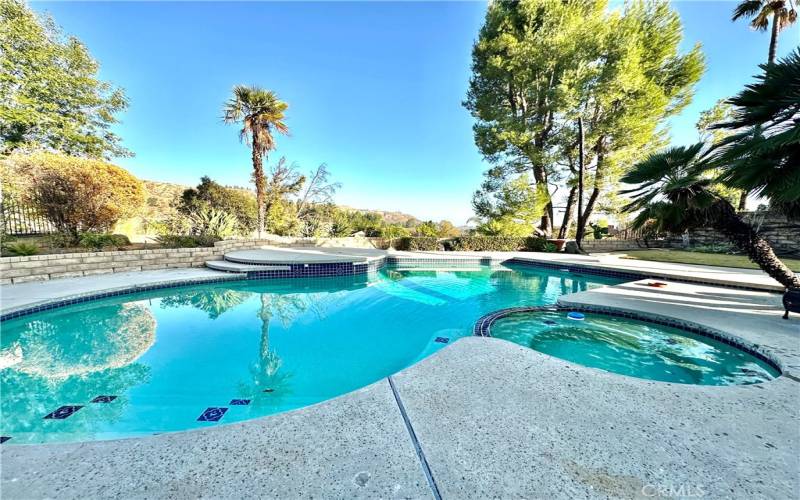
(634, 348)
(169, 355)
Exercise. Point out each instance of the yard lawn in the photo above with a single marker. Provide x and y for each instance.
(706, 259)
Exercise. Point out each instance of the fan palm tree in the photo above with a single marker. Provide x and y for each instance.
(763, 155)
(674, 192)
(782, 13)
(261, 114)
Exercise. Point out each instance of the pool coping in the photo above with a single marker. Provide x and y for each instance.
(482, 327)
(300, 270)
(440, 421)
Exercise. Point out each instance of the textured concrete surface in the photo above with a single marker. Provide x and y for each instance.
(356, 446)
(497, 420)
(32, 293)
(493, 419)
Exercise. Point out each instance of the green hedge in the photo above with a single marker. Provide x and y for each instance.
(418, 243)
(499, 244)
(186, 241)
(99, 241)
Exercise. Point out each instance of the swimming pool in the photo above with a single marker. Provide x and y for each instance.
(196, 356)
(634, 348)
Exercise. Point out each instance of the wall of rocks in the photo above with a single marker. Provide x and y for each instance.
(782, 234)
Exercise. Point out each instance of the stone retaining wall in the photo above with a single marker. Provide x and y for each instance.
(71, 265)
(780, 232)
(612, 245)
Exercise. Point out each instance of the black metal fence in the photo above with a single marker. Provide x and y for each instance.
(19, 219)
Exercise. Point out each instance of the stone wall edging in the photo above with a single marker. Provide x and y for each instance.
(73, 265)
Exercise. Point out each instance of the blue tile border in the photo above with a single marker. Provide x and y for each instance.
(483, 326)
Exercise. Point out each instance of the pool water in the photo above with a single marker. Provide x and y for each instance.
(634, 348)
(165, 357)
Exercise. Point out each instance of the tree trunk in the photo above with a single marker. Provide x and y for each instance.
(773, 39)
(570, 208)
(742, 201)
(741, 234)
(546, 224)
(599, 177)
(258, 178)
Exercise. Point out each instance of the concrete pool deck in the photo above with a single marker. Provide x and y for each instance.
(18, 296)
(481, 418)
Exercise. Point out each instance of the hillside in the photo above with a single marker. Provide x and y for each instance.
(161, 196)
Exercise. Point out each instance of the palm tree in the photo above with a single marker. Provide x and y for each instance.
(782, 13)
(261, 113)
(674, 192)
(763, 155)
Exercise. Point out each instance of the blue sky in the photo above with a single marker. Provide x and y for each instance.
(374, 88)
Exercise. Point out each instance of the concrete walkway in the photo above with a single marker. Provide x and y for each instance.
(481, 418)
(23, 295)
(727, 276)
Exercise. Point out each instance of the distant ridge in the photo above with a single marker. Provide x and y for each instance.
(160, 198)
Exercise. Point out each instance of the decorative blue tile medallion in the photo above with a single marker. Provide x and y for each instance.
(63, 412)
(442, 340)
(239, 402)
(104, 399)
(3, 439)
(212, 414)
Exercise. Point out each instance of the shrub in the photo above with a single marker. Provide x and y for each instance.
(499, 244)
(599, 231)
(78, 194)
(550, 247)
(210, 194)
(186, 241)
(58, 240)
(418, 243)
(99, 241)
(538, 244)
(486, 243)
(22, 249)
(210, 222)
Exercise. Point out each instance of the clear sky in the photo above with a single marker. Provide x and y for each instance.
(374, 88)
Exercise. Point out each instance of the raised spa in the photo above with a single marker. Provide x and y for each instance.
(634, 348)
(182, 358)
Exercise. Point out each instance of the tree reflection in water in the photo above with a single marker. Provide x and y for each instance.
(214, 302)
(47, 365)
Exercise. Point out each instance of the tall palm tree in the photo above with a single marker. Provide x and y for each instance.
(782, 13)
(763, 155)
(674, 192)
(261, 113)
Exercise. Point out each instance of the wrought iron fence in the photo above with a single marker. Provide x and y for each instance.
(19, 219)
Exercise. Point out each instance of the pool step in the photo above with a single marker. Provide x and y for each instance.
(286, 257)
(236, 267)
